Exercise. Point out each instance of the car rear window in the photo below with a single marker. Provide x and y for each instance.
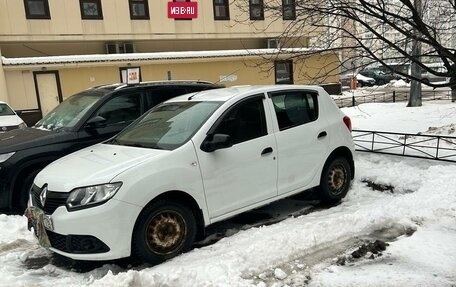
(294, 108)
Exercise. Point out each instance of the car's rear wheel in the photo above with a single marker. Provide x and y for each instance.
(164, 230)
(335, 180)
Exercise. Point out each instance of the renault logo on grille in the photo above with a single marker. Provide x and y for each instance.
(43, 195)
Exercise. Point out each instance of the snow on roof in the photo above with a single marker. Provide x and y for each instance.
(147, 56)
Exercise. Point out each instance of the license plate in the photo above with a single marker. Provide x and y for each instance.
(40, 222)
(47, 222)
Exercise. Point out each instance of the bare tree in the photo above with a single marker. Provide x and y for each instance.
(375, 32)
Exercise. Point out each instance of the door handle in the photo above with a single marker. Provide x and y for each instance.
(322, 135)
(266, 151)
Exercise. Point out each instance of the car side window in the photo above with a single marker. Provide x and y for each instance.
(121, 109)
(244, 122)
(295, 108)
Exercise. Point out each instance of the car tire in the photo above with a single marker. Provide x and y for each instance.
(21, 199)
(163, 230)
(334, 181)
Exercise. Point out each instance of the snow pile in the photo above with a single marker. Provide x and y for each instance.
(449, 129)
(424, 259)
(399, 84)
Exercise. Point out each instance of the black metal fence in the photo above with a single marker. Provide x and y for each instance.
(411, 145)
(390, 97)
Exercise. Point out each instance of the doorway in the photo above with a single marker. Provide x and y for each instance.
(48, 91)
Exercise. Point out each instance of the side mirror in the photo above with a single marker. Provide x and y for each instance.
(216, 141)
(96, 122)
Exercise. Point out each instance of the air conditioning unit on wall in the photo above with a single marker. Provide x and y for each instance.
(273, 43)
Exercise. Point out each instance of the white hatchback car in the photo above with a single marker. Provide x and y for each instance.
(9, 120)
(192, 161)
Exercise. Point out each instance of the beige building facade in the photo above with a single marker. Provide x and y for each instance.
(51, 49)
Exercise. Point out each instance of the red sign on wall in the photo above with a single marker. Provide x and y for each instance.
(182, 10)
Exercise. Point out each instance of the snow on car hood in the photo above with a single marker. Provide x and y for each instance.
(97, 164)
(7, 121)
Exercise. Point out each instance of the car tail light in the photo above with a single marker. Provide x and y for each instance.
(348, 123)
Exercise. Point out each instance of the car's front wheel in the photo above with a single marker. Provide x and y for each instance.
(335, 180)
(164, 229)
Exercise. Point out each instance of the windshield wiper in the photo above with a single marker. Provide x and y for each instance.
(135, 145)
(150, 146)
(114, 141)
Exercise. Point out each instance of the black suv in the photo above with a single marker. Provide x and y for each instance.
(81, 120)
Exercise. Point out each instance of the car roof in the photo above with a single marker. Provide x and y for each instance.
(225, 94)
(121, 86)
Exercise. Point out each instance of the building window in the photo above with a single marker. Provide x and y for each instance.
(178, 19)
(221, 10)
(91, 9)
(37, 9)
(289, 9)
(283, 72)
(139, 9)
(256, 10)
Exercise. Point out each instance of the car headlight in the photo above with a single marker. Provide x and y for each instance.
(22, 125)
(5, 156)
(89, 196)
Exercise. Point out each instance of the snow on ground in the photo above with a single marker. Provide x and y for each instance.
(301, 250)
(394, 117)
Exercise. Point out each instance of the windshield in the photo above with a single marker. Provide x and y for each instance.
(5, 110)
(166, 126)
(70, 111)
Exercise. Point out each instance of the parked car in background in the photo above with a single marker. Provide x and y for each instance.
(380, 77)
(361, 81)
(9, 120)
(364, 81)
(81, 120)
(431, 77)
(406, 69)
(190, 162)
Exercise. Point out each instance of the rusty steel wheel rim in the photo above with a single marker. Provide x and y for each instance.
(337, 178)
(166, 232)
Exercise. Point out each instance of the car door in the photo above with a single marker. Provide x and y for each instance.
(118, 111)
(301, 138)
(246, 172)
